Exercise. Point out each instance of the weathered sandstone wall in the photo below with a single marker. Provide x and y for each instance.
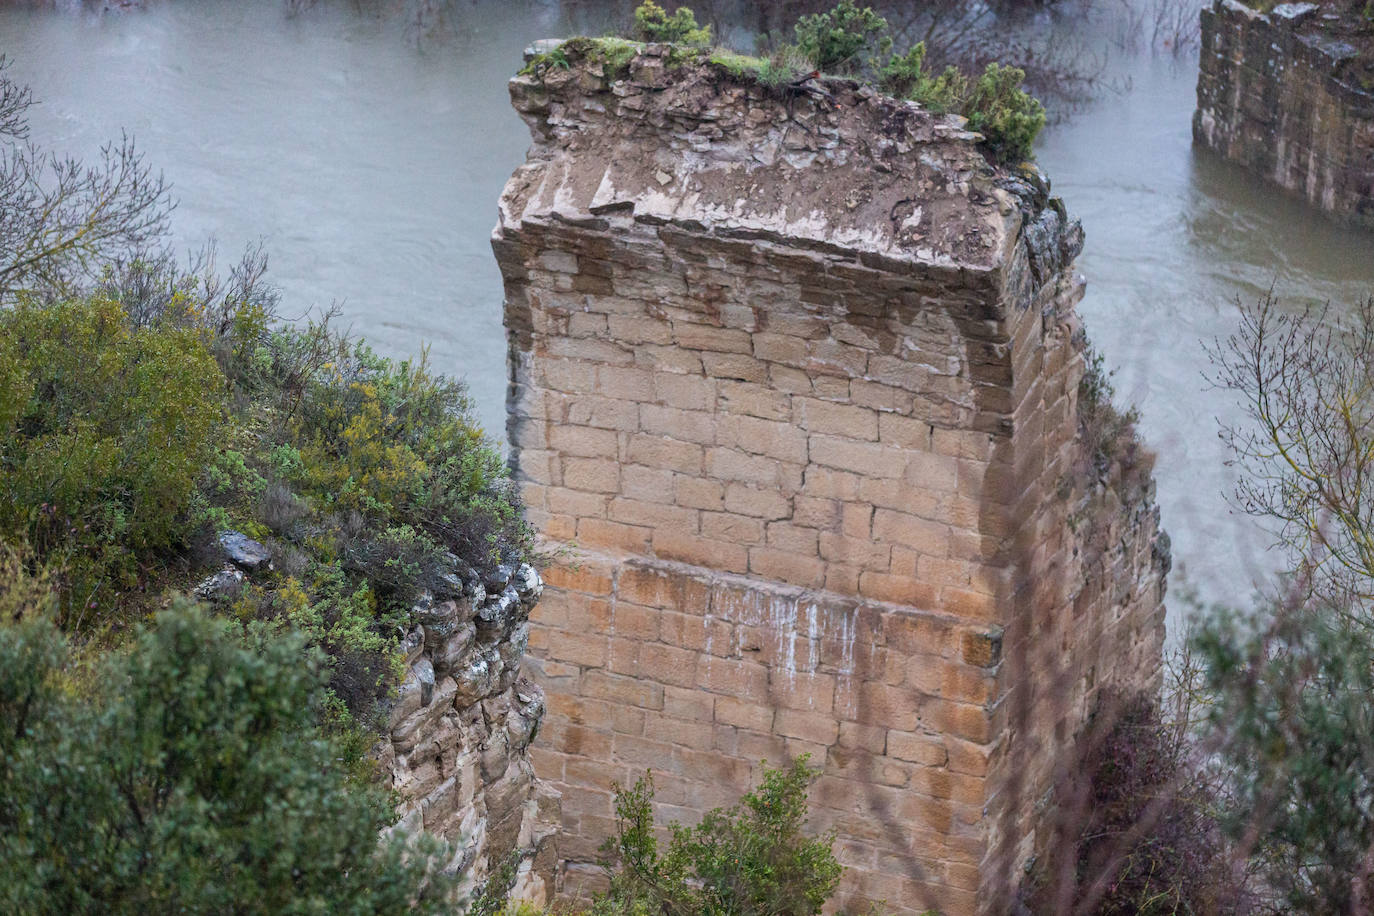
(795, 380)
(457, 747)
(1289, 97)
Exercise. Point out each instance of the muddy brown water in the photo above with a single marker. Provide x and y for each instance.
(370, 165)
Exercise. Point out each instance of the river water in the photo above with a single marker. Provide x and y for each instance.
(370, 164)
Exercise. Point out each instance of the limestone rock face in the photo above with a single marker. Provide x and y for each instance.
(1290, 95)
(794, 379)
(457, 748)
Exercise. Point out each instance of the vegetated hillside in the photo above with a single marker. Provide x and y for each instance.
(158, 441)
(214, 527)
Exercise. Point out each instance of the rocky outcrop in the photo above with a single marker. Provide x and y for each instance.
(795, 377)
(1289, 94)
(459, 730)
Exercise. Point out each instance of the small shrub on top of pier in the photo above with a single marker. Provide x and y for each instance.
(652, 23)
(845, 40)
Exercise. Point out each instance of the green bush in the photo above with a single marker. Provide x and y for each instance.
(844, 40)
(1005, 114)
(903, 74)
(1295, 727)
(105, 429)
(752, 859)
(995, 104)
(652, 23)
(186, 774)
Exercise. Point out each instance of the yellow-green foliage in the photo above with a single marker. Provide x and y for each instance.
(652, 23)
(349, 457)
(738, 66)
(772, 72)
(615, 55)
(105, 429)
(370, 479)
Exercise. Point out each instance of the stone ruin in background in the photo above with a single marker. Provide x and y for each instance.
(795, 381)
(1290, 97)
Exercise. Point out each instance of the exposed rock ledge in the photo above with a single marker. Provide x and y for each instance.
(457, 748)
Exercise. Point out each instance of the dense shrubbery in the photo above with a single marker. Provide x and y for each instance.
(105, 429)
(186, 772)
(155, 759)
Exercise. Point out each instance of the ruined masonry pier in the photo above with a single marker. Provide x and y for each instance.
(796, 384)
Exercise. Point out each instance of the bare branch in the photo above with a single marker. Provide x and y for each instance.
(1306, 381)
(63, 221)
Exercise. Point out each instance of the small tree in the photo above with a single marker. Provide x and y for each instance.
(186, 774)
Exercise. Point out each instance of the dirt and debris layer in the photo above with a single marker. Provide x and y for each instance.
(824, 164)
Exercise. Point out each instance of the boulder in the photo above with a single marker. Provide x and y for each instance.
(224, 584)
(244, 552)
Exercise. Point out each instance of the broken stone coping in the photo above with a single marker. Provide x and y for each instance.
(831, 166)
(1322, 32)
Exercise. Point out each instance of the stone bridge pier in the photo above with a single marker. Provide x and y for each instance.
(794, 393)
